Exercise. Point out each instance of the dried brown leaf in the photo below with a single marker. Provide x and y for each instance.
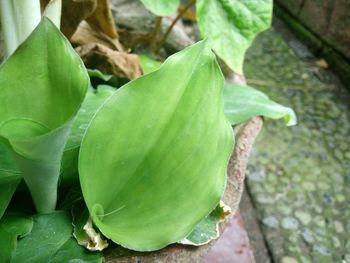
(85, 34)
(110, 61)
(73, 12)
(102, 20)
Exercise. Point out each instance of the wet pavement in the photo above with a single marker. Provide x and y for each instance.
(299, 177)
(232, 246)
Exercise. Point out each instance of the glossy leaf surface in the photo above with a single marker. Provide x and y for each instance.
(153, 161)
(42, 86)
(231, 26)
(161, 7)
(51, 241)
(244, 102)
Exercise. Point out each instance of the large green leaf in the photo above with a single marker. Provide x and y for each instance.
(161, 7)
(231, 25)
(153, 161)
(10, 176)
(12, 227)
(42, 86)
(244, 102)
(51, 241)
(93, 100)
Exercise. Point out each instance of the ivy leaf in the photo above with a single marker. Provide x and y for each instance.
(51, 241)
(12, 227)
(153, 161)
(231, 26)
(42, 86)
(161, 7)
(93, 100)
(244, 102)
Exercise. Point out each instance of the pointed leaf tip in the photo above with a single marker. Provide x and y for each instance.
(167, 136)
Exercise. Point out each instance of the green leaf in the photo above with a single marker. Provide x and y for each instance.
(161, 7)
(231, 26)
(42, 86)
(10, 177)
(98, 74)
(93, 100)
(244, 102)
(51, 241)
(208, 228)
(148, 64)
(153, 161)
(98, 78)
(12, 227)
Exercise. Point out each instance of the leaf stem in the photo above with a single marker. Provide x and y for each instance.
(18, 18)
(177, 18)
(155, 33)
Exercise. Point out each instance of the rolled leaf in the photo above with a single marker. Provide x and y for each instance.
(231, 26)
(42, 86)
(161, 7)
(153, 161)
(244, 102)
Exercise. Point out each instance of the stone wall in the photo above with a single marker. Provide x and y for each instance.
(328, 19)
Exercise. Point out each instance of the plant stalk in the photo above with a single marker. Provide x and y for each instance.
(178, 17)
(18, 19)
(154, 39)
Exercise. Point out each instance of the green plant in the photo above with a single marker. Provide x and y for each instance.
(229, 25)
(150, 157)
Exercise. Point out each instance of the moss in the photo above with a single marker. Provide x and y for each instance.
(322, 48)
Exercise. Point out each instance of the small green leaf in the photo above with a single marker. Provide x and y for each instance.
(98, 74)
(93, 101)
(244, 102)
(42, 86)
(148, 64)
(153, 161)
(208, 228)
(51, 241)
(12, 227)
(161, 7)
(231, 26)
(98, 78)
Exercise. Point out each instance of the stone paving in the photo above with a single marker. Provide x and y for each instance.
(299, 177)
